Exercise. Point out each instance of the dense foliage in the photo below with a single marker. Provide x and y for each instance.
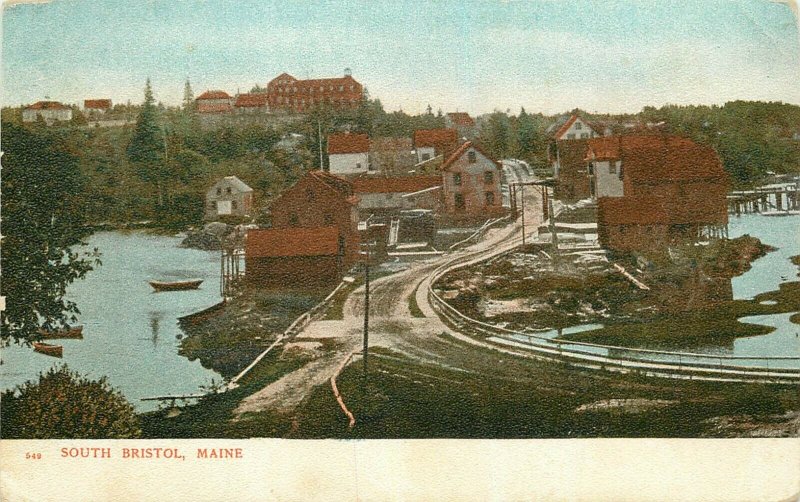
(43, 226)
(65, 405)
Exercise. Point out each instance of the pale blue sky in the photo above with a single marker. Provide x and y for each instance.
(476, 56)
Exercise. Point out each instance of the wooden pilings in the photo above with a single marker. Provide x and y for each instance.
(785, 198)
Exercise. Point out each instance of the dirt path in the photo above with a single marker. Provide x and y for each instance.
(391, 323)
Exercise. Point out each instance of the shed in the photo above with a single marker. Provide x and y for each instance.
(229, 196)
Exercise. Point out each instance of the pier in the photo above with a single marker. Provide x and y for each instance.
(783, 197)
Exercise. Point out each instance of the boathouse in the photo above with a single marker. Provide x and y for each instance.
(663, 190)
(294, 257)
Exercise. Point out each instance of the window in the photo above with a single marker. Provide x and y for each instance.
(457, 179)
(612, 167)
(472, 157)
(584, 135)
(458, 200)
(490, 198)
(234, 205)
(219, 191)
(578, 126)
(228, 190)
(293, 220)
(621, 173)
(328, 219)
(426, 156)
(310, 195)
(571, 136)
(321, 88)
(591, 169)
(488, 177)
(341, 88)
(358, 165)
(213, 204)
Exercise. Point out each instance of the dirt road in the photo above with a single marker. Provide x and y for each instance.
(391, 323)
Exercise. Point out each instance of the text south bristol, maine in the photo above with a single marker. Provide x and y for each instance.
(150, 453)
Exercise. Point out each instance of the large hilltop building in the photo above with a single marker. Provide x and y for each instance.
(49, 111)
(290, 95)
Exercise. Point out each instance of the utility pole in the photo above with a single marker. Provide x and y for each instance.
(365, 351)
(319, 130)
(522, 192)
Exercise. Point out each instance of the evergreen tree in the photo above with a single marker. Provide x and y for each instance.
(188, 97)
(147, 146)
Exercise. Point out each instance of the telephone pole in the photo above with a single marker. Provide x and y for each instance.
(365, 351)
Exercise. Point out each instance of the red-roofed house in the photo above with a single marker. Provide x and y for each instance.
(432, 142)
(290, 95)
(294, 257)
(472, 183)
(252, 103)
(662, 189)
(461, 122)
(96, 106)
(50, 111)
(348, 153)
(214, 102)
(318, 220)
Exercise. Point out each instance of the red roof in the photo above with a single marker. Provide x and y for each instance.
(214, 95)
(564, 128)
(461, 150)
(47, 105)
(668, 158)
(340, 185)
(97, 104)
(444, 139)
(652, 210)
(254, 100)
(286, 242)
(461, 119)
(605, 148)
(400, 184)
(348, 143)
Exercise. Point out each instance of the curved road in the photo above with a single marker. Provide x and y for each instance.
(391, 323)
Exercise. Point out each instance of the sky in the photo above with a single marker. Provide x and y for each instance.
(548, 56)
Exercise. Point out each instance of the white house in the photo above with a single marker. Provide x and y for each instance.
(604, 167)
(50, 111)
(229, 196)
(348, 153)
(574, 127)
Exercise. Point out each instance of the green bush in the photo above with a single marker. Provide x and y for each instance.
(65, 405)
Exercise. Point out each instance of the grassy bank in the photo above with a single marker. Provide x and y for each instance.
(406, 399)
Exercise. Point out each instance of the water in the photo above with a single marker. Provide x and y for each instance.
(129, 332)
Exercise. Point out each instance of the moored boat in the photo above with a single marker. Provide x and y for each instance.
(53, 334)
(176, 285)
(48, 349)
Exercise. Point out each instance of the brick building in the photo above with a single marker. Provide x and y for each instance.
(471, 181)
(672, 189)
(290, 95)
(251, 103)
(214, 102)
(95, 107)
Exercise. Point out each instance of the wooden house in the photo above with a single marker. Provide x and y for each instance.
(471, 181)
(229, 196)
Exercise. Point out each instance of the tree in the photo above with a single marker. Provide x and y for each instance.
(146, 149)
(188, 97)
(43, 227)
(65, 405)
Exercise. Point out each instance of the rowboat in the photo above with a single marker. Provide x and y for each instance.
(52, 334)
(48, 349)
(176, 285)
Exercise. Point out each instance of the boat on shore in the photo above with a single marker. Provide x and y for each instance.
(202, 315)
(176, 285)
(48, 349)
(74, 332)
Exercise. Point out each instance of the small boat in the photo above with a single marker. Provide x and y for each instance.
(53, 334)
(48, 349)
(176, 285)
